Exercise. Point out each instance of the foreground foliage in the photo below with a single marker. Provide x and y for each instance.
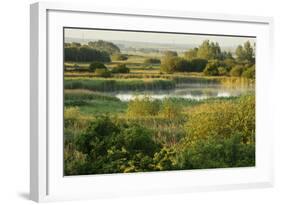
(207, 134)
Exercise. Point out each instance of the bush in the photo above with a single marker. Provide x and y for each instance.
(95, 65)
(168, 65)
(219, 134)
(212, 68)
(229, 63)
(222, 70)
(173, 64)
(121, 68)
(216, 152)
(236, 71)
(182, 65)
(223, 119)
(102, 72)
(109, 147)
(152, 61)
(141, 107)
(74, 161)
(169, 109)
(119, 57)
(165, 159)
(249, 72)
(198, 64)
(138, 139)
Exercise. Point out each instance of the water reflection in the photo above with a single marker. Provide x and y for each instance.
(188, 91)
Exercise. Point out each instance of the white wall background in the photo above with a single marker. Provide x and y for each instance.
(14, 101)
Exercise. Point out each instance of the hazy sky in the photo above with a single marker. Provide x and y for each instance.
(148, 37)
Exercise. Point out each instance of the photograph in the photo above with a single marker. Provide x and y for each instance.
(147, 101)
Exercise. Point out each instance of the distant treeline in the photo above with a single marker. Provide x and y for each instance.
(209, 58)
(99, 51)
(85, 54)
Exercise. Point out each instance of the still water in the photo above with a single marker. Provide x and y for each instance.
(188, 91)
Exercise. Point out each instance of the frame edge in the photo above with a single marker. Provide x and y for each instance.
(34, 40)
(38, 103)
(38, 39)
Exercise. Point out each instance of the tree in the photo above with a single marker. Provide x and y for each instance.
(85, 54)
(248, 52)
(105, 46)
(191, 54)
(245, 53)
(227, 55)
(209, 50)
(168, 64)
(212, 68)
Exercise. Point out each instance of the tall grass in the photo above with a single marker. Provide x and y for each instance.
(111, 85)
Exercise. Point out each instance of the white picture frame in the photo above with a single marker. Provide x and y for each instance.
(47, 182)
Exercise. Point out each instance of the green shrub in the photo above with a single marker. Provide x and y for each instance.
(96, 65)
(165, 159)
(216, 152)
(74, 123)
(237, 71)
(168, 64)
(173, 64)
(141, 107)
(182, 65)
(169, 109)
(222, 71)
(74, 161)
(223, 119)
(229, 63)
(249, 72)
(109, 147)
(198, 64)
(212, 68)
(121, 68)
(137, 139)
(102, 72)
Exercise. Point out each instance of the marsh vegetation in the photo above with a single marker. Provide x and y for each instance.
(152, 110)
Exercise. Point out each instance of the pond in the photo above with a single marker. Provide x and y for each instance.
(194, 91)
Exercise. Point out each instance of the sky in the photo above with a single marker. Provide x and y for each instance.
(148, 37)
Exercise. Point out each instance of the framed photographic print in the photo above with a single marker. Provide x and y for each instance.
(127, 102)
